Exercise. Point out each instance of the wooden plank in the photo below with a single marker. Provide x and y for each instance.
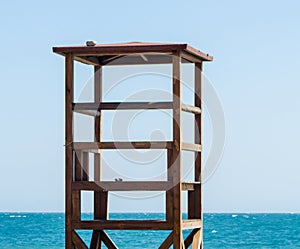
(191, 147)
(191, 224)
(69, 95)
(76, 205)
(98, 105)
(96, 240)
(122, 186)
(78, 167)
(167, 242)
(189, 186)
(76, 196)
(197, 241)
(85, 166)
(98, 199)
(169, 193)
(77, 241)
(191, 109)
(190, 238)
(198, 140)
(122, 49)
(191, 205)
(122, 225)
(107, 241)
(89, 112)
(190, 57)
(96, 147)
(177, 210)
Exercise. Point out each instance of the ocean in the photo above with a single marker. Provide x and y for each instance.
(46, 230)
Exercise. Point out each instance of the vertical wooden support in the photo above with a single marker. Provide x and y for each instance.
(169, 193)
(76, 197)
(69, 92)
(198, 155)
(85, 166)
(100, 197)
(176, 168)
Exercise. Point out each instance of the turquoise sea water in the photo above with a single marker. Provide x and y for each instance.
(46, 230)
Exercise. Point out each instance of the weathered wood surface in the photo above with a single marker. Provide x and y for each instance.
(69, 95)
(77, 241)
(98, 105)
(97, 146)
(122, 225)
(177, 209)
(167, 242)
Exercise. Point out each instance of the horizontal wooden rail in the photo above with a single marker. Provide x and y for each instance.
(190, 108)
(189, 185)
(93, 108)
(191, 224)
(129, 185)
(122, 186)
(191, 147)
(96, 147)
(133, 224)
(89, 112)
(122, 225)
(97, 106)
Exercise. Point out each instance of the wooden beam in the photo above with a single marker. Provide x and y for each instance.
(98, 105)
(77, 241)
(167, 242)
(191, 109)
(96, 147)
(100, 198)
(76, 197)
(169, 193)
(76, 205)
(190, 57)
(191, 147)
(189, 186)
(69, 95)
(96, 240)
(177, 137)
(107, 241)
(89, 113)
(198, 140)
(85, 166)
(122, 225)
(193, 238)
(198, 240)
(191, 224)
(122, 186)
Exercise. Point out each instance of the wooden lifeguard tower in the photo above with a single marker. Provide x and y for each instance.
(77, 153)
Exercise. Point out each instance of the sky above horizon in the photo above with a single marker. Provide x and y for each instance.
(255, 73)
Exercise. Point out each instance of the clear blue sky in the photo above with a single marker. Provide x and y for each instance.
(255, 72)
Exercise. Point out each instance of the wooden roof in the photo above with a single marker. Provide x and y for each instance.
(103, 52)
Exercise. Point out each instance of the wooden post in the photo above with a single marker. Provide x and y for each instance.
(76, 195)
(176, 168)
(100, 197)
(198, 140)
(69, 92)
(169, 193)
